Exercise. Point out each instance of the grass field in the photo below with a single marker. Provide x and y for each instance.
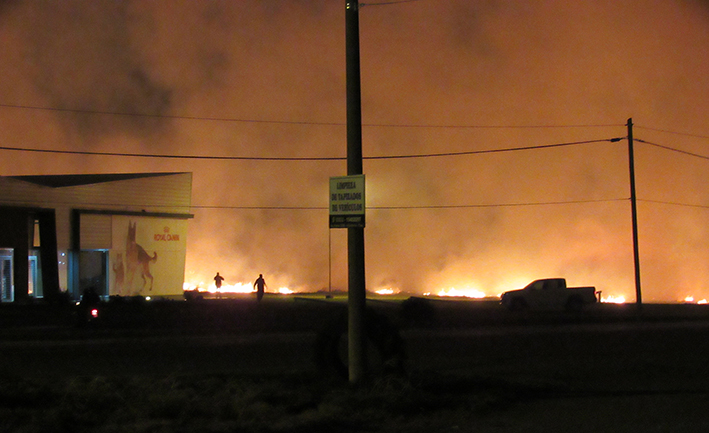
(417, 400)
(243, 404)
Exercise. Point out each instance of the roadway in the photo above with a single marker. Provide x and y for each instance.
(672, 355)
(583, 377)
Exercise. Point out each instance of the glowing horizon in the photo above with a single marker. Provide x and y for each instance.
(504, 163)
(467, 292)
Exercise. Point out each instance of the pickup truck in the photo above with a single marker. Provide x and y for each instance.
(549, 294)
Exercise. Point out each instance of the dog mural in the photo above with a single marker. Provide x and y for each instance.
(137, 259)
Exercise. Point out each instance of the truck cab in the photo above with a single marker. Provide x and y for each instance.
(549, 294)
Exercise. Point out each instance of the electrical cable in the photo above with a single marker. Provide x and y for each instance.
(670, 203)
(338, 124)
(168, 156)
(222, 207)
(547, 203)
(468, 206)
(686, 134)
(394, 2)
(439, 126)
(296, 122)
(322, 208)
(672, 149)
(509, 149)
(261, 158)
(420, 207)
(168, 116)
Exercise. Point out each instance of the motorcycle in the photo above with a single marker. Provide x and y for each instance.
(88, 308)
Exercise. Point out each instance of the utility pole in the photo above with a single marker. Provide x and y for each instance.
(356, 293)
(634, 214)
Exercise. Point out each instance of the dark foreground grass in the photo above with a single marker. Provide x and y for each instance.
(226, 403)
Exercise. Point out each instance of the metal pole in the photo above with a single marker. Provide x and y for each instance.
(356, 297)
(634, 214)
(329, 263)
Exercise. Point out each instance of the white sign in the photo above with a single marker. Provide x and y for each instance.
(347, 201)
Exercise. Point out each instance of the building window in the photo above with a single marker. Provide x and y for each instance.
(35, 237)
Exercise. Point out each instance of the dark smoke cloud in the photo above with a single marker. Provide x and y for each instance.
(5, 5)
(83, 58)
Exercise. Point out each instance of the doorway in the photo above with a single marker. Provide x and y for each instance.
(7, 286)
(93, 271)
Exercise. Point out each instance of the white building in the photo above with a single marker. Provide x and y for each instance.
(120, 234)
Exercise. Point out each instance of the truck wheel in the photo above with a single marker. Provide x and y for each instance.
(574, 304)
(518, 304)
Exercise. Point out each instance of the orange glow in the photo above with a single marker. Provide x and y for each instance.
(690, 300)
(610, 299)
(188, 286)
(462, 293)
(485, 176)
(231, 288)
(226, 288)
(387, 291)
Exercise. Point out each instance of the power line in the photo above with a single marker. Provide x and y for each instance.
(295, 122)
(672, 149)
(169, 156)
(387, 3)
(324, 208)
(509, 149)
(166, 116)
(109, 206)
(334, 158)
(686, 134)
(433, 207)
(495, 205)
(444, 126)
(221, 207)
(675, 203)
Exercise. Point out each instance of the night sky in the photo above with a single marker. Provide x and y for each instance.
(266, 79)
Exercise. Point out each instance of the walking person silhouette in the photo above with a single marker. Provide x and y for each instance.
(260, 284)
(218, 283)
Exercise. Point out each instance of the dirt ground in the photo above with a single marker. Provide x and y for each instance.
(469, 367)
(589, 378)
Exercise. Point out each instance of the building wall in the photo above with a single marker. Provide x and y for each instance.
(95, 217)
(171, 193)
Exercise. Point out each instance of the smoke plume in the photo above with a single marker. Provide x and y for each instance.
(267, 79)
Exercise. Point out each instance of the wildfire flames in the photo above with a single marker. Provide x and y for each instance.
(230, 288)
(387, 291)
(461, 293)
(463, 174)
(246, 288)
(610, 299)
(690, 300)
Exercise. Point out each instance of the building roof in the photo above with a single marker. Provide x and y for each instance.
(65, 180)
